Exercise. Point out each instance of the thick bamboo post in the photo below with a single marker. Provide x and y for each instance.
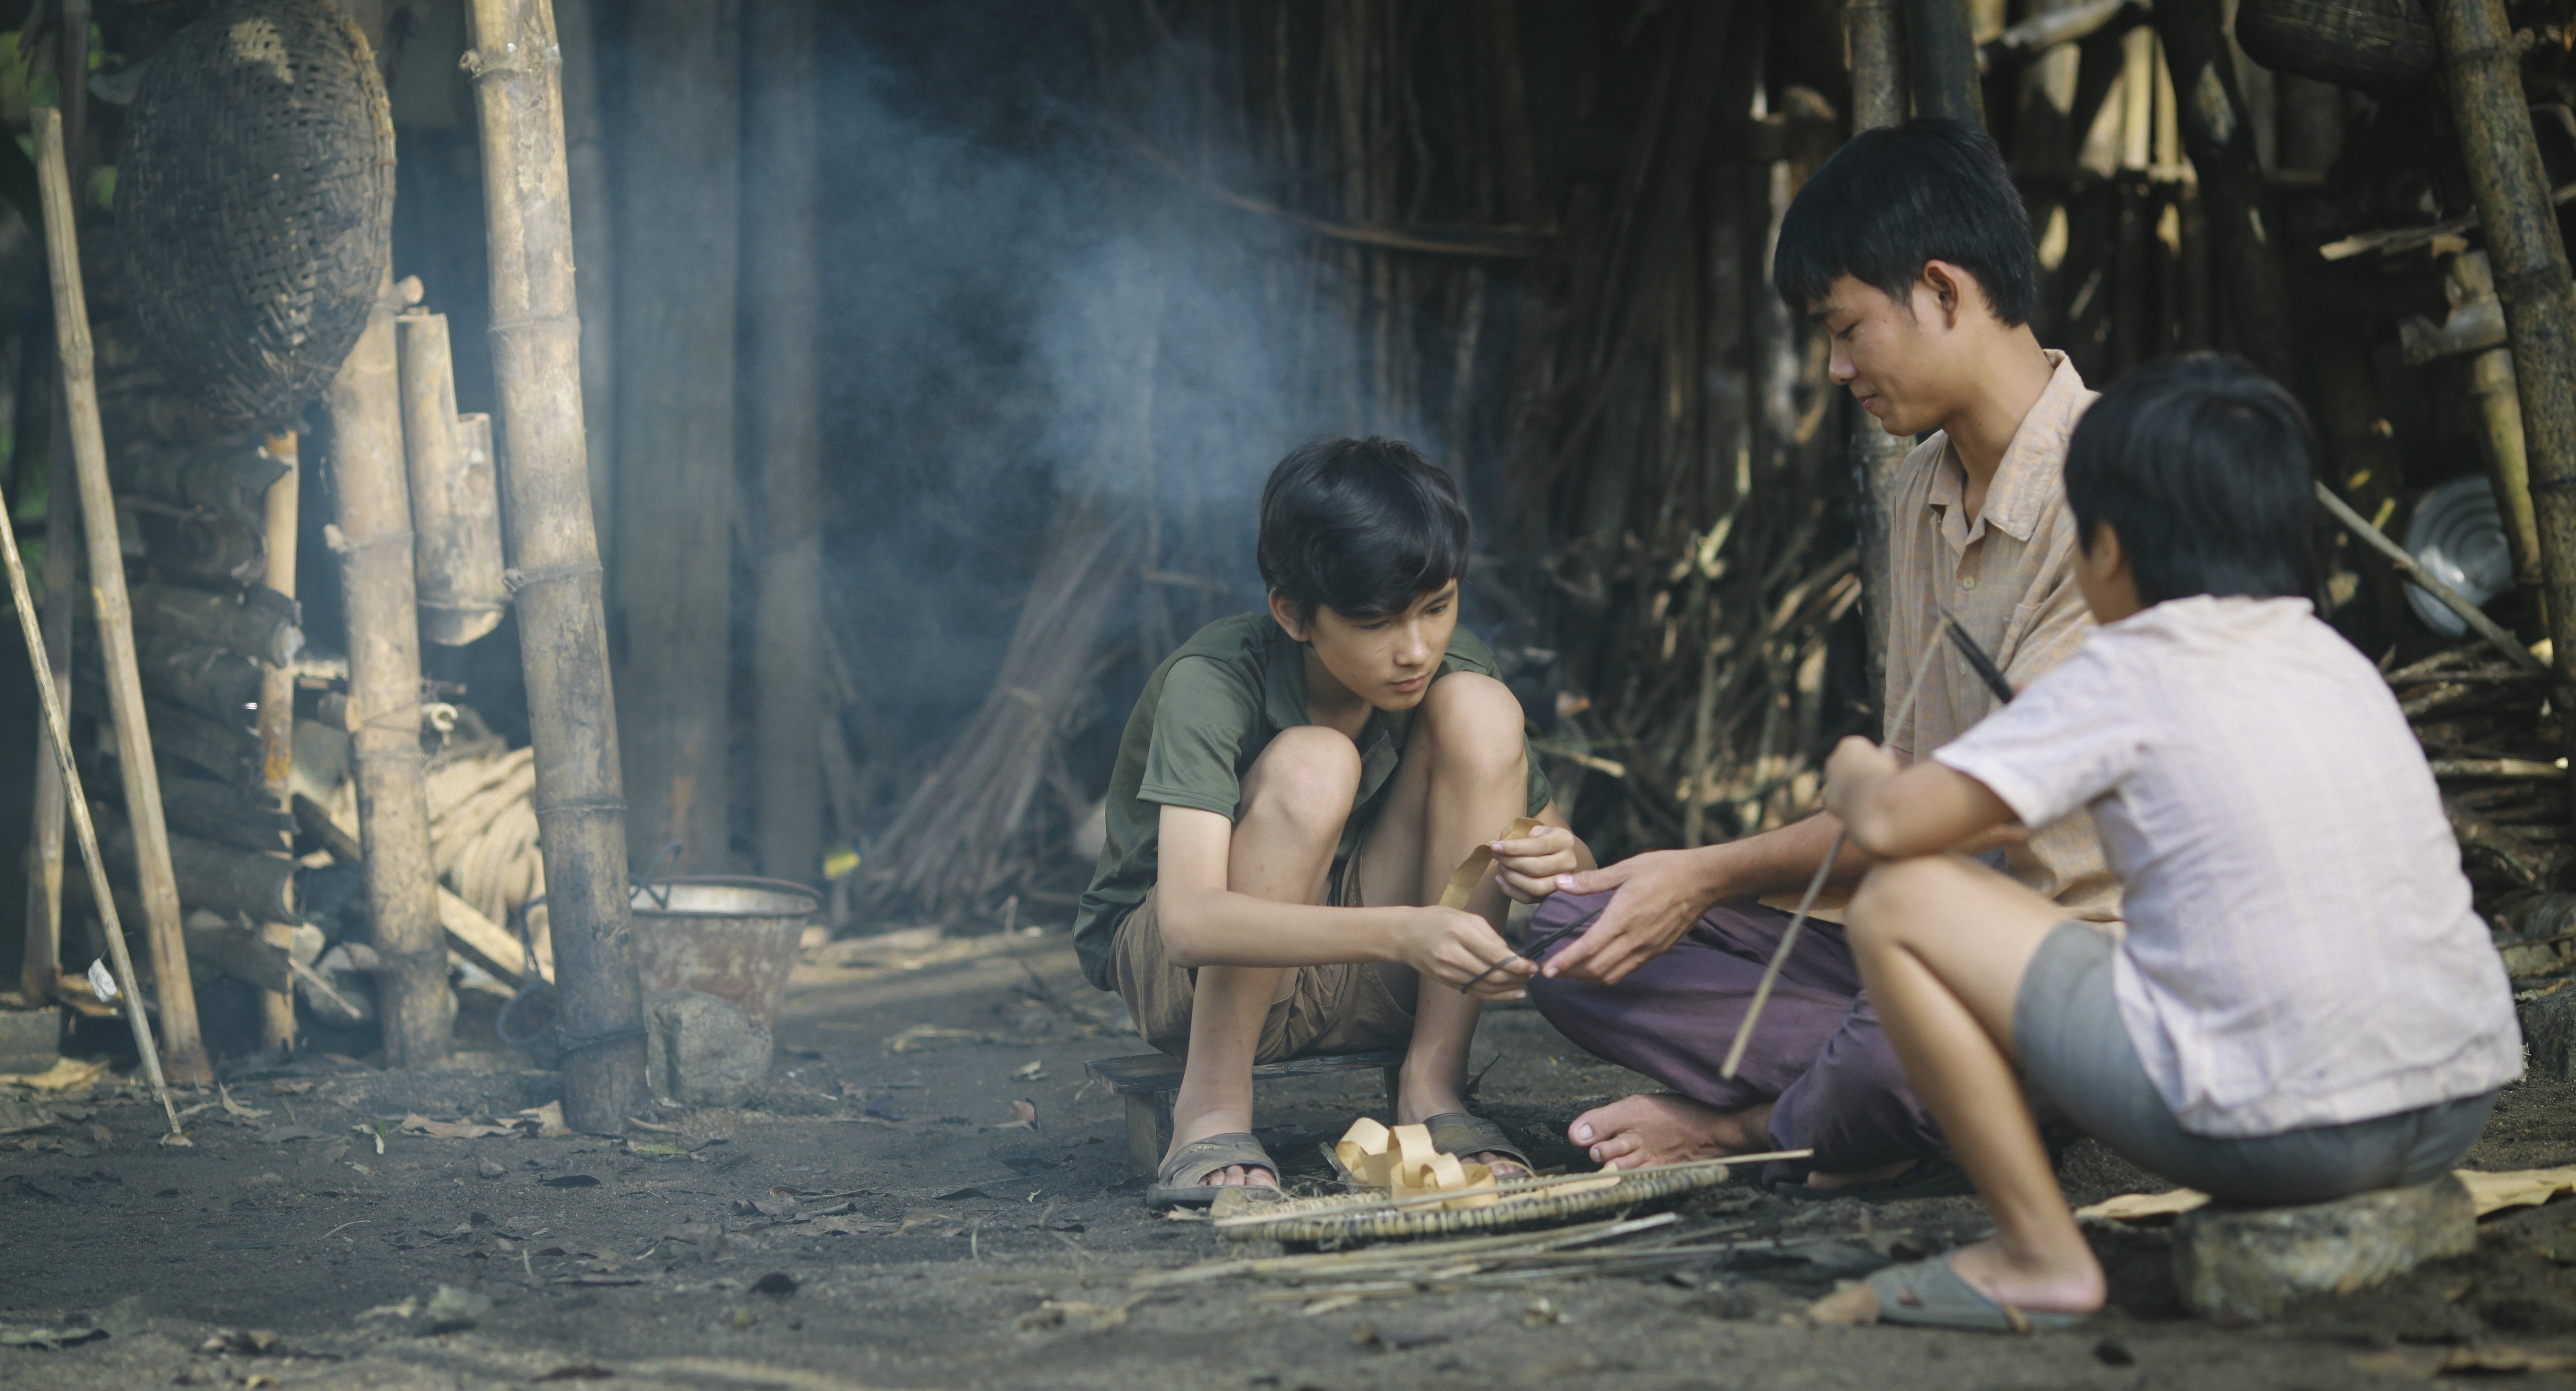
(1877, 42)
(678, 259)
(455, 510)
(2218, 134)
(375, 546)
(277, 708)
(2484, 81)
(779, 146)
(182, 1053)
(594, 241)
(1945, 60)
(563, 631)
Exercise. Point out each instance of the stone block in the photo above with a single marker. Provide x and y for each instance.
(29, 1038)
(704, 1051)
(2250, 1263)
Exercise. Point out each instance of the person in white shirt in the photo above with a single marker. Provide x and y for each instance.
(2304, 1004)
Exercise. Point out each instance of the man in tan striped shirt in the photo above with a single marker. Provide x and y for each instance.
(1910, 248)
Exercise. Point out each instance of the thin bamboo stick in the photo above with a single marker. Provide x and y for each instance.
(563, 630)
(277, 710)
(182, 1051)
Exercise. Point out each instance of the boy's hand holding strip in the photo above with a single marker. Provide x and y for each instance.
(1471, 870)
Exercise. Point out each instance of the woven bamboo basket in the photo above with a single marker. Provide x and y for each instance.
(1349, 1219)
(2375, 45)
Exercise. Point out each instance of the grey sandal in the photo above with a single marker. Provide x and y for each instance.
(1182, 1181)
(1462, 1134)
(1931, 1294)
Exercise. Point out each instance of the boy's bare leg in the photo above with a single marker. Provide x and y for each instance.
(1465, 776)
(1295, 798)
(1943, 945)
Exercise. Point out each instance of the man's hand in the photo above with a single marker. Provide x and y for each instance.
(1454, 947)
(1529, 867)
(1656, 898)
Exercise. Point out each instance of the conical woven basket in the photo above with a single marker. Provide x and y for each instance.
(254, 203)
(1353, 1218)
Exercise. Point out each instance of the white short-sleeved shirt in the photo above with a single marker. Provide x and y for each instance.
(2300, 949)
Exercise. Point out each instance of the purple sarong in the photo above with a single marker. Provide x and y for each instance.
(1817, 1053)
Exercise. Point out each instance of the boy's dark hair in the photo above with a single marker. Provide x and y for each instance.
(1363, 527)
(2201, 465)
(1932, 189)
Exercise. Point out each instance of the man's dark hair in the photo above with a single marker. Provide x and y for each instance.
(1932, 189)
(1363, 527)
(2202, 466)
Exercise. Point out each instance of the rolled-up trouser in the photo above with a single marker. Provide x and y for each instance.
(1817, 1053)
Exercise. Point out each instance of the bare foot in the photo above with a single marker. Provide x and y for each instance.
(2064, 1283)
(1232, 1175)
(1854, 1179)
(1668, 1128)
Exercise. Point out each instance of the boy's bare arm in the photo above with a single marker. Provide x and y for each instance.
(1206, 924)
(1896, 812)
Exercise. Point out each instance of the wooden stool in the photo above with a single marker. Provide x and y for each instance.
(1150, 1080)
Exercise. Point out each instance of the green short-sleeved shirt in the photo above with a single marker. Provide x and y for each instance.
(1208, 712)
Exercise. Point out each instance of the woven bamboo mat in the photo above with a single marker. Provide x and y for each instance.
(1347, 1219)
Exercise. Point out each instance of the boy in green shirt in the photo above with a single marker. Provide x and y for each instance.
(1293, 789)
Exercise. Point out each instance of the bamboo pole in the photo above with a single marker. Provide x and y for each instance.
(455, 510)
(1945, 60)
(782, 266)
(277, 710)
(182, 1052)
(58, 740)
(678, 269)
(563, 631)
(375, 545)
(2235, 197)
(594, 227)
(1877, 44)
(2483, 79)
(42, 961)
(43, 954)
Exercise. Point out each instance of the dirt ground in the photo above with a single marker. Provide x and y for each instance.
(934, 1244)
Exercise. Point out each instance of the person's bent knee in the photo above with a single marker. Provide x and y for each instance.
(1307, 776)
(1889, 893)
(1473, 720)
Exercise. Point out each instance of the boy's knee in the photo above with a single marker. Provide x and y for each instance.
(1888, 892)
(1308, 775)
(1473, 721)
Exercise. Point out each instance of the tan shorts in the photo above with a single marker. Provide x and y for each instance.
(1346, 1008)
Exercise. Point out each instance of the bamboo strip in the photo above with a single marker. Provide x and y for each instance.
(277, 707)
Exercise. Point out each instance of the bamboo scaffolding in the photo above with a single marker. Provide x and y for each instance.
(375, 544)
(455, 508)
(2219, 135)
(1945, 68)
(563, 632)
(182, 1052)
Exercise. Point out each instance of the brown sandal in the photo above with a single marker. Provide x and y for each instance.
(1464, 1135)
(1182, 1181)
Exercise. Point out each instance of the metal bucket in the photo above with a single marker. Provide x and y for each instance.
(732, 938)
